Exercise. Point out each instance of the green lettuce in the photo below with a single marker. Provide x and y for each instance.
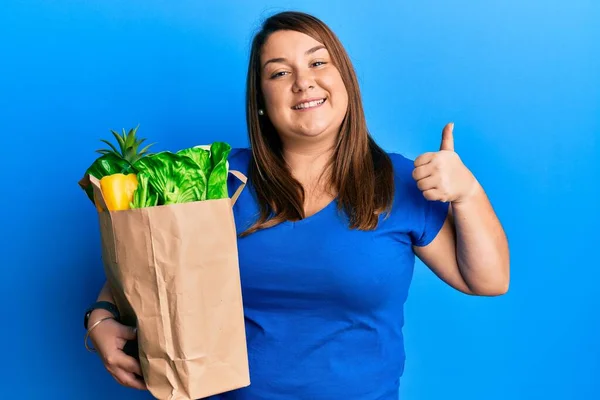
(174, 178)
(144, 195)
(200, 156)
(217, 180)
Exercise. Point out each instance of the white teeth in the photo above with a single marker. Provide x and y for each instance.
(309, 104)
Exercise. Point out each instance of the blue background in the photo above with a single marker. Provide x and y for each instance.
(520, 79)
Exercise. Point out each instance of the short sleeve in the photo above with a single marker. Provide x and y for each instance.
(239, 160)
(434, 216)
(422, 218)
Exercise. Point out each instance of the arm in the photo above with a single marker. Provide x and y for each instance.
(104, 295)
(109, 338)
(470, 252)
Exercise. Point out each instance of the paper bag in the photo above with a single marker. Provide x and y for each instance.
(173, 271)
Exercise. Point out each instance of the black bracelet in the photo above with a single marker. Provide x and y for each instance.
(104, 305)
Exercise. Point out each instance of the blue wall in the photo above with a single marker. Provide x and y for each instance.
(521, 80)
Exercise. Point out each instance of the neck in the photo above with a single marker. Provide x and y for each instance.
(307, 161)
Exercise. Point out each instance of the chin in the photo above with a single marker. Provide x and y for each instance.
(308, 131)
(314, 130)
(312, 133)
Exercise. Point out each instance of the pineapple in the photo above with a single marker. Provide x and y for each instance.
(128, 146)
(116, 170)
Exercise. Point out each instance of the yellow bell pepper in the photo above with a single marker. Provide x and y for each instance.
(117, 190)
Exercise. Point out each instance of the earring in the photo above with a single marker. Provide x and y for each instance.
(261, 112)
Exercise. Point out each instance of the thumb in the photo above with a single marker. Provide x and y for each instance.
(448, 138)
(128, 332)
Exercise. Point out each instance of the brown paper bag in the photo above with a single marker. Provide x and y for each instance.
(174, 274)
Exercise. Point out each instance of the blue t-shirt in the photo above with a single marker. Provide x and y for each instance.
(323, 303)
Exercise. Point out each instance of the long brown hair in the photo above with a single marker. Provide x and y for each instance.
(361, 172)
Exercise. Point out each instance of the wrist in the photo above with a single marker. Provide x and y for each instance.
(471, 195)
(108, 309)
(96, 315)
(471, 192)
(93, 326)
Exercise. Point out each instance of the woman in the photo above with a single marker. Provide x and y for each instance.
(329, 228)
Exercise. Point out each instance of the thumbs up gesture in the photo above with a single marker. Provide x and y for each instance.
(441, 175)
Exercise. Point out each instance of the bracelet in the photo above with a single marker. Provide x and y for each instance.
(87, 334)
(104, 305)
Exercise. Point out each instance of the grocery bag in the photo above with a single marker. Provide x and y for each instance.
(174, 274)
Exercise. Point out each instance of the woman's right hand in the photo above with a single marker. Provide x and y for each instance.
(109, 339)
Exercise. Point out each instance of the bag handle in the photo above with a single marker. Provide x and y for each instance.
(238, 191)
(107, 232)
(98, 196)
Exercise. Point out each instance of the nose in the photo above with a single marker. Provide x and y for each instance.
(303, 82)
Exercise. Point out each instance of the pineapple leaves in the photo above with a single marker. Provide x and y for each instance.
(129, 138)
(128, 146)
(144, 151)
(120, 140)
(113, 148)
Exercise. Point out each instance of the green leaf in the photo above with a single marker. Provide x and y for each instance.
(217, 181)
(200, 156)
(144, 195)
(175, 178)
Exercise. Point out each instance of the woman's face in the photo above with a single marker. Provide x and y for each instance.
(305, 97)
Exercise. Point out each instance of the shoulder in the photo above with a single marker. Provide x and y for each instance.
(422, 217)
(406, 192)
(400, 162)
(403, 168)
(239, 159)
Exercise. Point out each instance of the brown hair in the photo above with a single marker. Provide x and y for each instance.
(361, 172)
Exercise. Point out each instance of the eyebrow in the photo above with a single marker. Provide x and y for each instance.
(281, 59)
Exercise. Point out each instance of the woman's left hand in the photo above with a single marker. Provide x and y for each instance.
(441, 175)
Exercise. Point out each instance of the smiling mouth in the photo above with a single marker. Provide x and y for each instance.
(309, 104)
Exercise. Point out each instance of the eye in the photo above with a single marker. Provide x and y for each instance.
(278, 74)
(318, 63)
